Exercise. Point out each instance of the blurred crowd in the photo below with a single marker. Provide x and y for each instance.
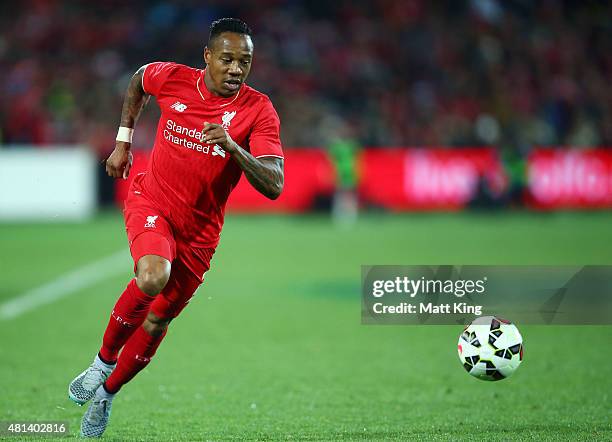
(513, 73)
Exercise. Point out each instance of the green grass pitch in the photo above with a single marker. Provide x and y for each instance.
(271, 347)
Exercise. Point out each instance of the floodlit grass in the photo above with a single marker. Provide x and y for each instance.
(272, 346)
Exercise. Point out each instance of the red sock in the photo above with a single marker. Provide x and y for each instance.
(128, 315)
(136, 355)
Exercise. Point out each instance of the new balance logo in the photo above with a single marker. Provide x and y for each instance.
(151, 221)
(178, 106)
(218, 151)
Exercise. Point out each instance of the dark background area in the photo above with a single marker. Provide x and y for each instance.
(390, 72)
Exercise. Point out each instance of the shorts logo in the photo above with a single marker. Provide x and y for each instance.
(218, 151)
(151, 221)
(179, 107)
(227, 119)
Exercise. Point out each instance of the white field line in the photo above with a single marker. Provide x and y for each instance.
(66, 284)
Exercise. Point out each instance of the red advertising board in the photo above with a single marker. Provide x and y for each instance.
(309, 173)
(569, 178)
(427, 179)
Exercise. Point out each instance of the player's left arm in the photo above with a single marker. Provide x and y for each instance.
(265, 174)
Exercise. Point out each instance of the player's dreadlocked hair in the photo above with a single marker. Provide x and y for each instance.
(227, 25)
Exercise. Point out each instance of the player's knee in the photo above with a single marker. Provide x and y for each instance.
(152, 274)
(151, 282)
(154, 325)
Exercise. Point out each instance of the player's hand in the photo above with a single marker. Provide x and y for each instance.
(215, 134)
(120, 161)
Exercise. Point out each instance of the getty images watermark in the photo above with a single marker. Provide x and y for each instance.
(422, 286)
(457, 294)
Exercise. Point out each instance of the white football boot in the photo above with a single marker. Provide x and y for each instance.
(84, 386)
(96, 417)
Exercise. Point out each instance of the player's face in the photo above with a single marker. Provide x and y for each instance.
(228, 63)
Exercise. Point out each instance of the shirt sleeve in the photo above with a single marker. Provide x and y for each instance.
(155, 75)
(264, 140)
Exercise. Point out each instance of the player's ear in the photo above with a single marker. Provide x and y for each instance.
(206, 54)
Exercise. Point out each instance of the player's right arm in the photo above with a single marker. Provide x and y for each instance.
(119, 162)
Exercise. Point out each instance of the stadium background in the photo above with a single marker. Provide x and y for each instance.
(502, 110)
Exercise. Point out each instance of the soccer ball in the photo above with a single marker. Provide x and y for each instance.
(490, 348)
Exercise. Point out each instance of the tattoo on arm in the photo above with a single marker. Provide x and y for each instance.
(135, 100)
(265, 174)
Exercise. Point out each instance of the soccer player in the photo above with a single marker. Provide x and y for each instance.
(213, 127)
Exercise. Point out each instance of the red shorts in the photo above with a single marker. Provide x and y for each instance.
(149, 233)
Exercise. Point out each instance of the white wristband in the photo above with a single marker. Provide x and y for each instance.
(125, 134)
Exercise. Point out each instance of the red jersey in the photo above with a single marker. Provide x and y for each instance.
(188, 179)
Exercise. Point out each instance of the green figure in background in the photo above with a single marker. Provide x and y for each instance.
(345, 206)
